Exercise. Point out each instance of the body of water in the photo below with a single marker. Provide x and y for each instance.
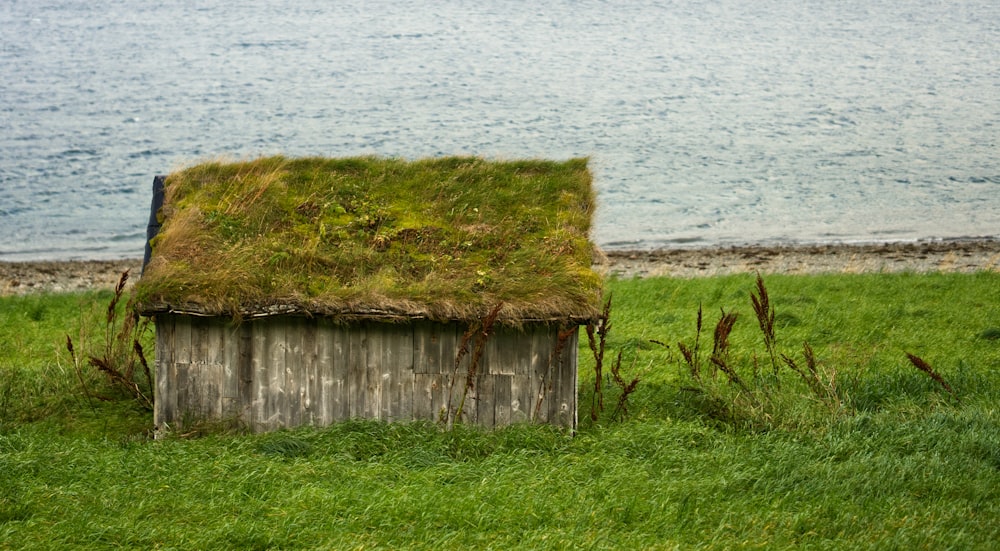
(706, 122)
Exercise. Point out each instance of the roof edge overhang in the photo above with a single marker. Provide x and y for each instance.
(352, 316)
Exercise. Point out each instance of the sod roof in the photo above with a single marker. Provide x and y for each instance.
(366, 237)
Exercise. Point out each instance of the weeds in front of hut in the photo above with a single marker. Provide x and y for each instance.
(477, 334)
(120, 357)
(625, 388)
(37, 382)
(467, 370)
(597, 337)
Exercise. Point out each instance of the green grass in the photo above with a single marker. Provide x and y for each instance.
(861, 326)
(442, 238)
(906, 466)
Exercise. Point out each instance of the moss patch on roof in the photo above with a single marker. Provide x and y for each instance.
(445, 238)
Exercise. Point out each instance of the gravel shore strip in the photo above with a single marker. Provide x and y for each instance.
(36, 276)
(925, 256)
(919, 257)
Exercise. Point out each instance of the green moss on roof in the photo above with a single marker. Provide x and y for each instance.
(444, 238)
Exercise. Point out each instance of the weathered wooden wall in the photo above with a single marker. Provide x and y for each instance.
(289, 371)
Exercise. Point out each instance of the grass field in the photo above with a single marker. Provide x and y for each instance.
(895, 461)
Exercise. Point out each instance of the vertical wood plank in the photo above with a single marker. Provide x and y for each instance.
(490, 363)
(323, 370)
(373, 371)
(393, 358)
(403, 378)
(357, 370)
(230, 357)
(182, 364)
(433, 343)
(500, 351)
(556, 373)
(501, 355)
(294, 368)
(378, 372)
(451, 341)
(484, 404)
(263, 375)
(165, 399)
(520, 399)
(501, 400)
(425, 386)
(261, 383)
(339, 383)
(214, 368)
(521, 402)
(470, 412)
(543, 346)
(310, 384)
(567, 414)
(522, 350)
(195, 381)
(203, 374)
(535, 376)
(245, 375)
(277, 346)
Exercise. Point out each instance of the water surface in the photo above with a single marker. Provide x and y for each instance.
(706, 122)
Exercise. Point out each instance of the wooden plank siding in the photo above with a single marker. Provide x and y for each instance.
(288, 371)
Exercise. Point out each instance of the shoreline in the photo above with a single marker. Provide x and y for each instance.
(966, 256)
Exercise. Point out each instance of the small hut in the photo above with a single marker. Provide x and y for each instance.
(306, 291)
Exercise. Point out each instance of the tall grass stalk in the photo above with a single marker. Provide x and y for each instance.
(765, 318)
(597, 338)
(121, 353)
(925, 367)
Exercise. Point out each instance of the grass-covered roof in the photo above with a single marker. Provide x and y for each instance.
(444, 238)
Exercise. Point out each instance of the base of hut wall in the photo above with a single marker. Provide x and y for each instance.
(284, 372)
